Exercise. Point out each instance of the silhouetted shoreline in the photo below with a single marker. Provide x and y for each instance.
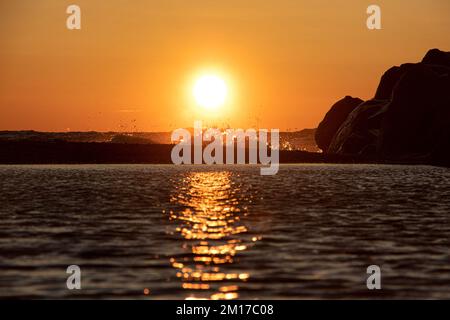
(61, 152)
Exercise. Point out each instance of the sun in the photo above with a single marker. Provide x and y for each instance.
(210, 92)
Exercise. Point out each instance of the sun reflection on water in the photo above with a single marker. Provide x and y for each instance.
(211, 225)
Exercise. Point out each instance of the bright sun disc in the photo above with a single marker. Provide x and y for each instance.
(210, 92)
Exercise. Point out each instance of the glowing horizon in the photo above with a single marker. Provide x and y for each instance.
(284, 62)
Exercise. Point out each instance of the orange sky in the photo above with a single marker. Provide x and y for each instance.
(286, 61)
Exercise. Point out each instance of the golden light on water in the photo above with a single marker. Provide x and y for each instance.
(211, 227)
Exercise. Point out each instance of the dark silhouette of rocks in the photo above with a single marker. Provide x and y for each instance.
(418, 114)
(334, 119)
(408, 120)
(389, 80)
(358, 133)
(437, 57)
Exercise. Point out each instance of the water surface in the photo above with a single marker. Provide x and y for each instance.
(221, 232)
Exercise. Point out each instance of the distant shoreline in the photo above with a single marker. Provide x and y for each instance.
(62, 152)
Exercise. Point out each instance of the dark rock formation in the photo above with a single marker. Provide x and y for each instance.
(437, 57)
(334, 119)
(408, 120)
(441, 155)
(359, 132)
(418, 113)
(389, 80)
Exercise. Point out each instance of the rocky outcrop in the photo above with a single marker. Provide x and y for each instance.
(408, 119)
(334, 119)
(389, 80)
(418, 113)
(437, 57)
(360, 131)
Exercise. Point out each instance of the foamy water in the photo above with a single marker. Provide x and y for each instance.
(224, 232)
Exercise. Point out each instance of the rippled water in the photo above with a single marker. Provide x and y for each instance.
(224, 232)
